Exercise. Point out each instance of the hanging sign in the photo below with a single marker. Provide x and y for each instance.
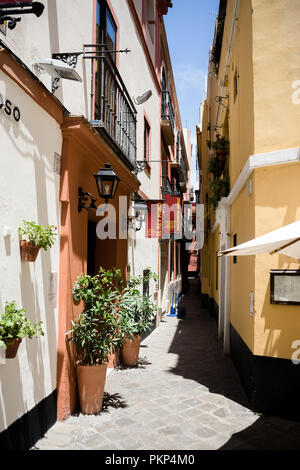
(171, 216)
(154, 219)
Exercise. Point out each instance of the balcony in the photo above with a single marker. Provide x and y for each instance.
(167, 118)
(168, 188)
(182, 174)
(179, 166)
(115, 114)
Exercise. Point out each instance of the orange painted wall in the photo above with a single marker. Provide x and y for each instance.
(84, 153)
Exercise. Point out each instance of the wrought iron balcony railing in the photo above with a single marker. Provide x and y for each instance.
(115, 113)
(167, 111)
(168, 188)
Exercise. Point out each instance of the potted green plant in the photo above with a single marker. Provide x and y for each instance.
(96, 334)
(138, 312)
(221, 147)
(14, 326)
(36, 237)
(218, 188)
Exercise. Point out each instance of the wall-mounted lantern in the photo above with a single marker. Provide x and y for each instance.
(140, 211)
(107, 182)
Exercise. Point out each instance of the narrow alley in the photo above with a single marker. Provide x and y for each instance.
(184, 395)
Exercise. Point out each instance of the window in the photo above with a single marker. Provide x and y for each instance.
(150, 18)
(106, 33)
(146, 141)
(106, 28)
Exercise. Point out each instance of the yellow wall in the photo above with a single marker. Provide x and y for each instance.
(277, 204)
(263, 118)
(241, 119)
(242, 273)
(276, 62)
(214, 248)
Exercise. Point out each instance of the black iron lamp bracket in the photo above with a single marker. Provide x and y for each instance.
(17, 8)
(68, 58)
(71, 58)
(85, 200)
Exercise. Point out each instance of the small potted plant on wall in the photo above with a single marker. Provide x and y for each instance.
(138, 313)
(14, 326)
(36, 237)
(221, 147)
(96, 334)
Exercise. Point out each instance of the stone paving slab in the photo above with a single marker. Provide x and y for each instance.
(184, 395)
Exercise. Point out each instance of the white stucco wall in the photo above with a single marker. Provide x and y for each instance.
(64, 26)
(135, 72)
(29, 190)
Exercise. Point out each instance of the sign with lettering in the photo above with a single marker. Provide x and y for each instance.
(154, 219)
(171, 216)
(9, 109)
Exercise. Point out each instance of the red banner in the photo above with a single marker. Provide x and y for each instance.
(154, 219)
(171, 215)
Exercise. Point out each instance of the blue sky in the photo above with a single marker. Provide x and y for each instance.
(190, 28)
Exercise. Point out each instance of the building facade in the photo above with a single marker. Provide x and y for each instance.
(252, 102)
(115, 111)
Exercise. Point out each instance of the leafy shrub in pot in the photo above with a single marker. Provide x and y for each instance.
(96, 333)
(138, 313)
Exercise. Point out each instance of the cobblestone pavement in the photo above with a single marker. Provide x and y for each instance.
(184, 395)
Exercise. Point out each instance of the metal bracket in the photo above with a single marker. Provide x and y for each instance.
(55, 84)
(25, 8)
(85, 200)
(68, 58)
(11, 22)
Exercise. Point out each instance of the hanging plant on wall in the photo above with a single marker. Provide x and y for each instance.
(218, 188)
(221, 144)
(36, 237)
(14, 326)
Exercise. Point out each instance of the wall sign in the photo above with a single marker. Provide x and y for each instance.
(285, 287)
(171, 216)
(154, 218)
(9, 109)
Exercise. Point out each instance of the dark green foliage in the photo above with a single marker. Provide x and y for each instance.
(41, 235)
(15, 324)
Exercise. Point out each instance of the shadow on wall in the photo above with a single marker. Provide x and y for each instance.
(31, 377)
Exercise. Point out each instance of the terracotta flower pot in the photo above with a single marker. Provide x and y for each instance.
(29, 251)
(12, 348)
(130, 352)
(222, 158)
(91, 381)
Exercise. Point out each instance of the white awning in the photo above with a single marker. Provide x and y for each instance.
(285, 240)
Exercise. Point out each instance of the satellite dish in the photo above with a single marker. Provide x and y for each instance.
(142, 98)
(59, 69)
